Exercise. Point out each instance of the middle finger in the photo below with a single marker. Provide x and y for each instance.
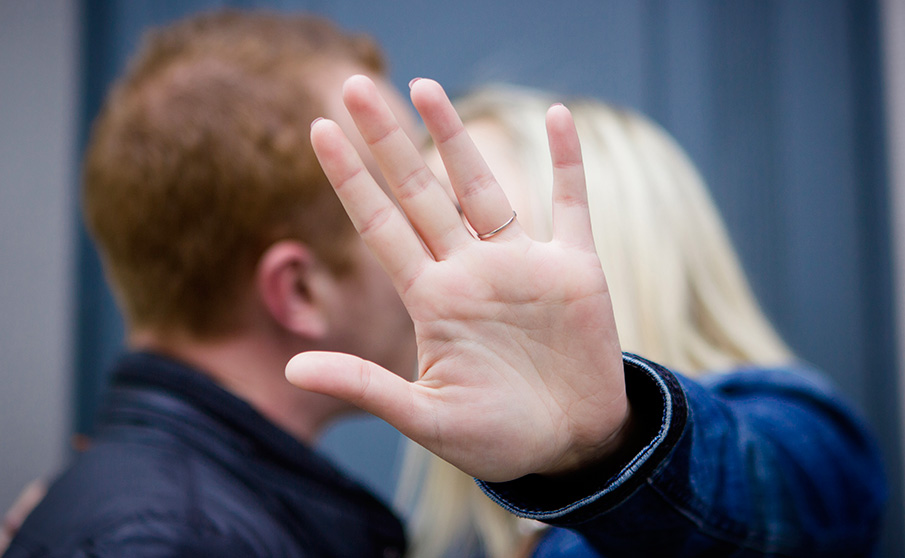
(421, 197)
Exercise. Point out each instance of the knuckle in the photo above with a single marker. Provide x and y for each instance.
(476, 185)
(414, 183)
(375, 221)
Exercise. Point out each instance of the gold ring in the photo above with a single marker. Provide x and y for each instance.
(499, 229)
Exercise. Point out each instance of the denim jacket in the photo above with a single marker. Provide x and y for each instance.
(757, 462)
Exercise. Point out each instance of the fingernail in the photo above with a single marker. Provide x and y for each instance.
(556, 105)
(316, 120)
(411, 83)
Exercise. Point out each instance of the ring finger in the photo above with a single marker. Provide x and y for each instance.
(482, 200)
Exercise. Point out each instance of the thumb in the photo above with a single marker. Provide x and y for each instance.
(362, 383)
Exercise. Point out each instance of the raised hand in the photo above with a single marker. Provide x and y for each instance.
(519, 366)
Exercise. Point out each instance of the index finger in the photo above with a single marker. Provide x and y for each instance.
(381, 225)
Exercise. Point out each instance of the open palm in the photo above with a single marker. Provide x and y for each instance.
(519, 364)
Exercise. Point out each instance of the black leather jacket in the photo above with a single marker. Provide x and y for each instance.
(181, 467)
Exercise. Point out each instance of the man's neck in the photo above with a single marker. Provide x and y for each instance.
(252, 369)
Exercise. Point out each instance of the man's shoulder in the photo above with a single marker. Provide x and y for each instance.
(114, 490)
(144, 496)
(122, 476)
(142, 535)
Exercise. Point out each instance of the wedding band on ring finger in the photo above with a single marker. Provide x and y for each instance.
(499, 229)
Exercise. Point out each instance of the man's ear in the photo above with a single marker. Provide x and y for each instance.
(287, 280)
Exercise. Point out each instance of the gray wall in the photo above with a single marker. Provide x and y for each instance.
(894, 64)
(37, 116)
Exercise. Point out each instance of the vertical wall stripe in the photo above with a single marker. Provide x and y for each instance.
(881, 374)
(98, 325)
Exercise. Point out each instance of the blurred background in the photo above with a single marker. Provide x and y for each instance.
(793, 110)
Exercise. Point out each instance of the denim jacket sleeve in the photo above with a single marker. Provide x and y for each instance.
(750, 463)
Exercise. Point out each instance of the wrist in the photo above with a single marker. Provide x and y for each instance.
(655, 423)
(608, 454)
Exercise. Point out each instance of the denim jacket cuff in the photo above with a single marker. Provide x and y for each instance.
(661, 410)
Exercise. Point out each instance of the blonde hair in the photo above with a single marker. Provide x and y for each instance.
(679, 294)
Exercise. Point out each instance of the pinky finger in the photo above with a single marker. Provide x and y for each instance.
(571, 219)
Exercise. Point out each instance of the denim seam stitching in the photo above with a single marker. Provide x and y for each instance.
(749, 541)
